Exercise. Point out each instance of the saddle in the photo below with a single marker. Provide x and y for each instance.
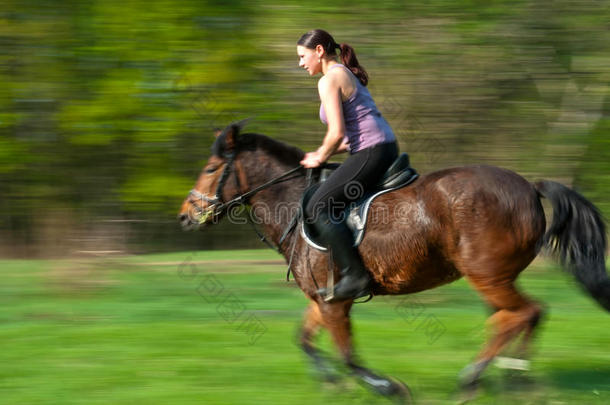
(398, 175)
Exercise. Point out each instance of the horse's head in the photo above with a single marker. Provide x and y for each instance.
(222, 179)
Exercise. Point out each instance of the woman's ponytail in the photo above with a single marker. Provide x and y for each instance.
(348, 57)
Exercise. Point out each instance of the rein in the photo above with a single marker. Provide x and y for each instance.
(241, 199)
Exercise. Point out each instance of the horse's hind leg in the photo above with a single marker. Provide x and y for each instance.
(335, 317)
(524, 348)
(515, 314)
(311, 327)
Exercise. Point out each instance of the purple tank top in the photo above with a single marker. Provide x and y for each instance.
(364, 124)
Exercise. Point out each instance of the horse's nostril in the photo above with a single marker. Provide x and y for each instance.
(182, 217)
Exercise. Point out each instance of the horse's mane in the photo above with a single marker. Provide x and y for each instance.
(284, 153)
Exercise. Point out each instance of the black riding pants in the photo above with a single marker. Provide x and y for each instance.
(360, 172)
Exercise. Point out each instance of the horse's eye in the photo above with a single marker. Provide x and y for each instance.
(210, 170)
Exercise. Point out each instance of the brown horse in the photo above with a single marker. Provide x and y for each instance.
(480, 222)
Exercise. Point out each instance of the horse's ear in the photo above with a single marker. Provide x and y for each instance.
(231, 133)
(217, 132)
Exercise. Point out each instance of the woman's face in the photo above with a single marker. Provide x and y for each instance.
(308, 60)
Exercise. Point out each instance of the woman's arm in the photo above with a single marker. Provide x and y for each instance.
(330, 95)
(344, 147)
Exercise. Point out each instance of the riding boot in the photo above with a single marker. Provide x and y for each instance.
(355, 278)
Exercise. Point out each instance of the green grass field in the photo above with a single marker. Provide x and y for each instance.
(221, 328)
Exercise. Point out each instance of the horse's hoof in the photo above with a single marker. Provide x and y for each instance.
(401, 392)
(388, 387)
(468, 378)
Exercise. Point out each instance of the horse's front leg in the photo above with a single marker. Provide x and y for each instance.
(335, 317)
(311, 326)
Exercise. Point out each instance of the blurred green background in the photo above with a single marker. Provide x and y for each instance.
(107, 112)
(107, 108)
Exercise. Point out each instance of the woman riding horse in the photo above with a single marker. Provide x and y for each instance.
(483, 223)
(355, 125)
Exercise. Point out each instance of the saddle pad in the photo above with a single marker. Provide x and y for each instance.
(358, 213)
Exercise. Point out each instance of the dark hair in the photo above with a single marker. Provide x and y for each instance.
(317, 37)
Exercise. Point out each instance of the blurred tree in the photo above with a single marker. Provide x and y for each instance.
(107, 108)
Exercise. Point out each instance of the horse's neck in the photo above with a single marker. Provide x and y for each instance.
(274, 207)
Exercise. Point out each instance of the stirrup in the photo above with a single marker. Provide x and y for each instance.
(328, 293)
(365, 292)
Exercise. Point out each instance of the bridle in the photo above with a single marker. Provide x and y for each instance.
(217, 205)
(216, 199)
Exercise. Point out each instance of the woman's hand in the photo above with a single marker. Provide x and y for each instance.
(311, 160)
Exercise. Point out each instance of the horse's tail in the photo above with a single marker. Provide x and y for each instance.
(577, 236)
